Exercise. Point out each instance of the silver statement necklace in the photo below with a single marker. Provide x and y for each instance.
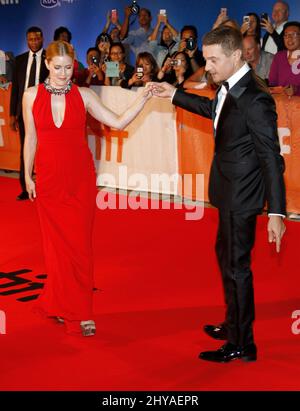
(57, 91)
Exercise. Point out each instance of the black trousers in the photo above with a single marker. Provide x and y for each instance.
(22, 139)
(235, 240)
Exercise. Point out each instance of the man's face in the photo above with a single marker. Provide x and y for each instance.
(220, 66)
(35, 41)
(185, 35)
(279, 13)
(251, 49)
(144, 18)
(292, 38)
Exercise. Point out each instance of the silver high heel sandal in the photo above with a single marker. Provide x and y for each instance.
(88, 328)
(60, 320)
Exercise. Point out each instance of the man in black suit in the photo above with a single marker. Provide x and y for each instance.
(29, 70)
(247, 169)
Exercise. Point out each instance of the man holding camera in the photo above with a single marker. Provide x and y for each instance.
(188, 44)
(273, 39)
(137, 39)
(92, 75)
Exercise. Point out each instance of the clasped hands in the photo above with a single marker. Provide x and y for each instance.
(158, 89)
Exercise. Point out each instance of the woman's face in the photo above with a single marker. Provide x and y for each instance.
(181, 65)
(116, 54)
(252, 25)
(147, 66)
(167, 35)
(115, 34)
(104, 46)
(292, 38)
(60, 70)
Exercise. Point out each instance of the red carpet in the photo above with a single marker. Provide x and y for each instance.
(158, 284)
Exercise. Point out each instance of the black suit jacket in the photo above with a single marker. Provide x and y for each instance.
(247, 167)
(278, 40)
(18, 82)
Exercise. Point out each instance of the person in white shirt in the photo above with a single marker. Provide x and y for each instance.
(273, 39)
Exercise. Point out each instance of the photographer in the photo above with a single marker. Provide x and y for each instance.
(176, 69)
(188, 43)
(103, 43)
(92, 75)
(125, 71)
(146, 69)
(168, 42)
(137, 39)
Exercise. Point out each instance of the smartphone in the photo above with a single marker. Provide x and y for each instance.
(163, 12)
(140, 72)
(223, 10)
(114, 14)
(112, 69)
(264, 16)
(246, 19)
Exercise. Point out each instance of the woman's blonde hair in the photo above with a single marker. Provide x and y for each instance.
(59, 48)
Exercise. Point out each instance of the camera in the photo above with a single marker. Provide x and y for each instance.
(163, 12)
(264, 16)
(246, 19)
(134, 8)
(140, 72)
(191, 43)
(94, 60)
(104, 38)
(175, 62)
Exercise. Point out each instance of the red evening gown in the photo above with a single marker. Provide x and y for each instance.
(66, 199)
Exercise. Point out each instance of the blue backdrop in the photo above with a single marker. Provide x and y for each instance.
(86, 18)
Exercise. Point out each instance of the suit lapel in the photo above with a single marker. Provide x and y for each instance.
(24, 70)
(233, 94)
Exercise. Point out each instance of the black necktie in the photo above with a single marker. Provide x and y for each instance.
(32, 73)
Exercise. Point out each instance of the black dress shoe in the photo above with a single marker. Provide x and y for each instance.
(23, 196)
(229, 352)
(218, 332)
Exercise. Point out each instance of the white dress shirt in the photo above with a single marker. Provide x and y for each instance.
(270, 45)
(38, 66)
(223, 91)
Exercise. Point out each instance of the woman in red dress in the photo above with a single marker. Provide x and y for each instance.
(65, 187)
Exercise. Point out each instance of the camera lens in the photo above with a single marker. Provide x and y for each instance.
(190, 43)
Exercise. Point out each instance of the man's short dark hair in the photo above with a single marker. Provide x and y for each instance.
(93, 49)
(291, 23)
(61, 30)
(146, 10)
(228, 38)
(189, 28)
(34, 29)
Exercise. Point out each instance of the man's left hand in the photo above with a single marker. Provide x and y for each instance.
(276, 229)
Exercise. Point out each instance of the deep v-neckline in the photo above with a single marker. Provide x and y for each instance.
(64, 116)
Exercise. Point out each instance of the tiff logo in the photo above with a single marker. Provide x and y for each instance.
(2, 322)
